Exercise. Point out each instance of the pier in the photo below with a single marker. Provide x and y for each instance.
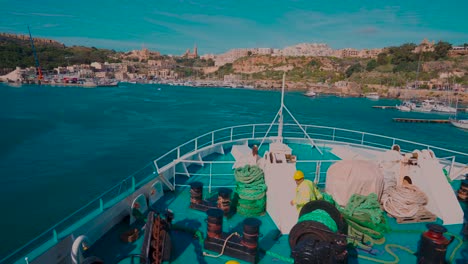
(384, 106)
(413, 120)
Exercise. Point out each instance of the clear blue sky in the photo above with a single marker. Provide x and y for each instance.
(172, 26)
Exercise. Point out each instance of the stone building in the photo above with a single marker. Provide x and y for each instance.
(425, 46)
(190, 55)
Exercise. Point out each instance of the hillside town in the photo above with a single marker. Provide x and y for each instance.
(247, 67)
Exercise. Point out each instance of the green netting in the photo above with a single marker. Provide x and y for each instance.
(251, 189)
(320, 216)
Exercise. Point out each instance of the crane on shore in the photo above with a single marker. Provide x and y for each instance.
(38, 66)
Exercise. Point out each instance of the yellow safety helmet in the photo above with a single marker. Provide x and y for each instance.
(298, 175)
(232, 262)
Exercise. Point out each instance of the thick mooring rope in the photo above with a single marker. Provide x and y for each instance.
(363, 213)
(403, 201)
(251, 189)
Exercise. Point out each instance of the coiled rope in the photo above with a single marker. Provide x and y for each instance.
(403, 201)
(364, 215)
(251, 189)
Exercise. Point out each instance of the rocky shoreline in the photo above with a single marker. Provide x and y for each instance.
(353, 90)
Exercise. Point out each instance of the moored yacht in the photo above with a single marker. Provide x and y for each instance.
(460, 123)
(443, 108)
(425, 106)
(406, 106)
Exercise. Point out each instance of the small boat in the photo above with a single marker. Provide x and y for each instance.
(108, 84)
(373, 96)
(460, 123)
(421, 109)
(406, 106)
(425, 106)
(443, 108)
(310, 93)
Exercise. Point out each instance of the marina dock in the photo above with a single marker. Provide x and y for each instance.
(384, 106)
(413, 120)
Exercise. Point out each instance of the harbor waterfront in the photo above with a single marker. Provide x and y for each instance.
(62, 146)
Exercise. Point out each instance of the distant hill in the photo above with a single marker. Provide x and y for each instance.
(394, 66)
(15, 50)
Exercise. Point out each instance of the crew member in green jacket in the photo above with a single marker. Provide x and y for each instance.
(306, 191)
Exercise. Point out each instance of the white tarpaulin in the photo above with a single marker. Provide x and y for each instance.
(347, 177)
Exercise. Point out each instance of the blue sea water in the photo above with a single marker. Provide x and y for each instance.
(62, 146)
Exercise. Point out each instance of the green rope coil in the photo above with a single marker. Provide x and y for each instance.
(320, 216)
(251, 189)
(364, 214)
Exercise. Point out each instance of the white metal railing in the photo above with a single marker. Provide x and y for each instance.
(254, 131)
(225, 136)
(317, 174)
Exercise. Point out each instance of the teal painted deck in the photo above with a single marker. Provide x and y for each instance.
(188, 249)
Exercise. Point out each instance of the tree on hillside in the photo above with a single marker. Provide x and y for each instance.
(382, 59)
(371, 65)
(441, 49)
(403, 53)
(352, 69)
(225, 69)
(406, 67)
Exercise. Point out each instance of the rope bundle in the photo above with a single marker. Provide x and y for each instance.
(251, 189)
(364, 215)
(403, 201)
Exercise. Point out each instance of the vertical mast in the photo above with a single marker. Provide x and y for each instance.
(416, 84)
(280, 122)
(38, 67)
(279, 115)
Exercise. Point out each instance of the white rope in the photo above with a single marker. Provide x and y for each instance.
(403, 201)
(224, 246)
